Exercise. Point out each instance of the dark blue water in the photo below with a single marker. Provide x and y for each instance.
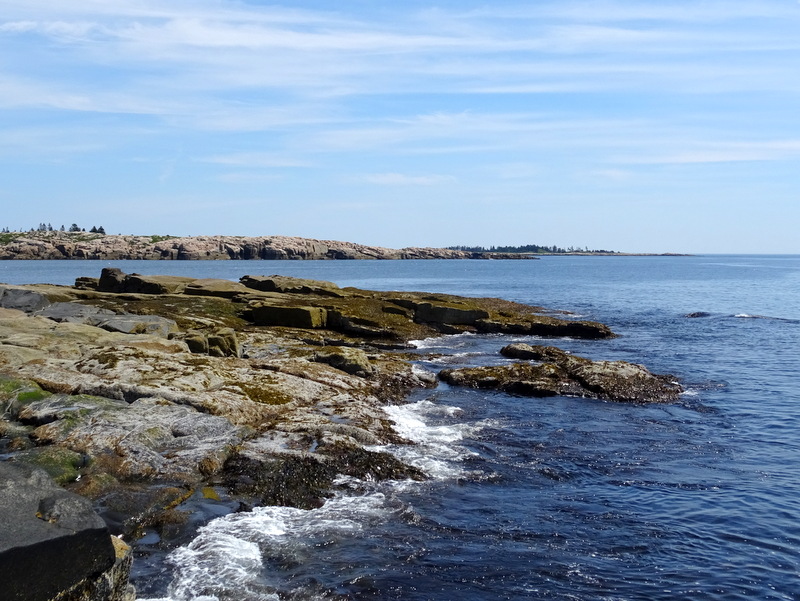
(557, 498)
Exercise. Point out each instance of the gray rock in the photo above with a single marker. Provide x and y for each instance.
(23, 300)
(74, 313)
(108, 320)
(137, 324)
(50, 539)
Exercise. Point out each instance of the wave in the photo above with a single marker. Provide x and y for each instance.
(749, 316)
(703, 314)
(242, 556)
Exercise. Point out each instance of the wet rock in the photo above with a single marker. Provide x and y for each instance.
(304, 480)
(560, 373)
(547, 327)
(293, 481)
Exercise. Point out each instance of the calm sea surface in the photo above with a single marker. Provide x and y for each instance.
(558, 498)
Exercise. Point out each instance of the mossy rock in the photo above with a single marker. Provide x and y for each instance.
(61, 464)
(349, 360)
(10, 386)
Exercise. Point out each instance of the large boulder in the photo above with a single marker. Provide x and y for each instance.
(350, 360)
(286, 284)
(448, 314)
(290, 317)
(24, 300)
(50, 539)
(113, 279)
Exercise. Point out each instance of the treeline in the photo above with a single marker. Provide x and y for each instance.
(530, 248)
(46, 227)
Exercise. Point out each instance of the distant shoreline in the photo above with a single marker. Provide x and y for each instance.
(58, 245)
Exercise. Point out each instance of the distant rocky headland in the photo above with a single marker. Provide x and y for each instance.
(82, 245)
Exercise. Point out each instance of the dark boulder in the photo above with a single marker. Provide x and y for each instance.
(23, 300)
(50, 539)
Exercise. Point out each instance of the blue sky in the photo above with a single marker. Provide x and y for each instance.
(626, 125)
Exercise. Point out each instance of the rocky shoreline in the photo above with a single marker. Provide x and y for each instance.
(95, 246)
(145, 394)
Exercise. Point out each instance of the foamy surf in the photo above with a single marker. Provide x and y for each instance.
(228, 559)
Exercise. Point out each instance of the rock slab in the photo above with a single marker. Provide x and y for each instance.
(50, 539)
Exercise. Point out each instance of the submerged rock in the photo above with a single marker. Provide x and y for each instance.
(560, 373)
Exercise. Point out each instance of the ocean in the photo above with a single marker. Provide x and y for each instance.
(556, 498)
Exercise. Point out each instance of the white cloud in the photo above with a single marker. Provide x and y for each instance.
(613, 175)
(400, 179)
(255, 159)
(776, 150)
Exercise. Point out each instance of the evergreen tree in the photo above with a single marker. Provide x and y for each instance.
(74, 228)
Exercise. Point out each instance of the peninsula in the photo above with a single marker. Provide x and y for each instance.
(100, 246)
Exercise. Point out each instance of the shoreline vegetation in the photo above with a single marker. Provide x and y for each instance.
(75, 244)
(154, 396)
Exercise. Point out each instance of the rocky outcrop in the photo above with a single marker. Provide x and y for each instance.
(557, 372)
(53, 545)
(80, 245)
(259, 391)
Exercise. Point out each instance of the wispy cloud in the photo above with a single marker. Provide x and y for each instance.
(255, 159)
(776, 150)
(401, 179)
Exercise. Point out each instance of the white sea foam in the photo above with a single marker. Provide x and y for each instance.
(446, 341)
(225, 560)
(437, 451)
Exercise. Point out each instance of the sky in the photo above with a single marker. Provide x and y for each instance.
(627, 125)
